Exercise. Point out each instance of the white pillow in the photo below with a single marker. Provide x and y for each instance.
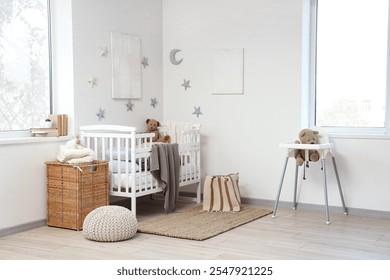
(116, 164)
(122, 154)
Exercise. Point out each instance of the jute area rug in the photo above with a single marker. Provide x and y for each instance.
(194, 224)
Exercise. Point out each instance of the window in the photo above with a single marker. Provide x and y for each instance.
(350, 58)
(25, 95)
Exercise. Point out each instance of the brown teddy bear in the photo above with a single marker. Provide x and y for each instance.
(153, 127)
(307, 136)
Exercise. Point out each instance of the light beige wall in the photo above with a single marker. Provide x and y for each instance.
(241, 133)
(81, 29)
(93, 21)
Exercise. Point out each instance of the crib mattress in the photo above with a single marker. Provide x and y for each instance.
(145, 180)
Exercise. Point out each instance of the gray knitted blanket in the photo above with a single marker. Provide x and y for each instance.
(165, 167)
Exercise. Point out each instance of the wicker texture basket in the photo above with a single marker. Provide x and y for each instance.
(75, 190)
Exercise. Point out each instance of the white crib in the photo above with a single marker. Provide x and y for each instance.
(128, 153)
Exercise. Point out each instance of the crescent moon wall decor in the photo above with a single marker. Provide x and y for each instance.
(172, 57)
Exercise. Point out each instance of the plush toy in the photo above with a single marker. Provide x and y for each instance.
(153, 127)
(307, 136)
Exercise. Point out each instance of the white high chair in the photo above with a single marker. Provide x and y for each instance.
(324, 148)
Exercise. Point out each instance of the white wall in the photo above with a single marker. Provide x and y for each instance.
(241, 133)
(81, 28)
(23, 182)
(62, 56)
(22, 168)
(93, 20)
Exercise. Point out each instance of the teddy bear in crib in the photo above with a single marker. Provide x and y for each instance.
(153, 126)
(306, 136)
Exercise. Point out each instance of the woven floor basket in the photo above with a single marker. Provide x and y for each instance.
(109, 224)
(73, 191)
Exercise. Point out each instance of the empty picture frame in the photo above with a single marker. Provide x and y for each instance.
(228, 71)
(125, 65)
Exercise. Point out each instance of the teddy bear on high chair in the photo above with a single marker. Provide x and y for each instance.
(306, 136)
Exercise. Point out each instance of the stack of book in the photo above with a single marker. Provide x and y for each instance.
(60, 122)
(59, 127)
(44, 132)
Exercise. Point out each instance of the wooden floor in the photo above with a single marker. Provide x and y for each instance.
(293, 234)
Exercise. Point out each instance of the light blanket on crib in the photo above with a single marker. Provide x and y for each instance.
(174, 129)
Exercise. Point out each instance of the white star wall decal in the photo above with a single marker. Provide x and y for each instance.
(104, 51)
(92, 81)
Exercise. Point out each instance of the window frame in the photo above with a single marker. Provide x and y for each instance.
(23, 133)
(309, 37)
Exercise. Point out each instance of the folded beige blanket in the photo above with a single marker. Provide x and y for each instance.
(75, 154)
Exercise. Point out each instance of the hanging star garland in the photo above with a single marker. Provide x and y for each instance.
(92, 81)
(153, 102)
(145, 62)
(100, 114)
(130, 106)
(186, 84)
(197, 111)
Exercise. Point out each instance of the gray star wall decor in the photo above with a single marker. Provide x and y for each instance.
(145, 62)
(153, 102)
(186, 84)
(197, 111)
(130, 106)
(100, 114)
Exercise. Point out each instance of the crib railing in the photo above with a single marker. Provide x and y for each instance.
(126, 150)
(129, 155)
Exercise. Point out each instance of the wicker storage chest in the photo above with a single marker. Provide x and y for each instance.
(75, 190)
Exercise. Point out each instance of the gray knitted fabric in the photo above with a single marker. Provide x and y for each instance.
(110, 223)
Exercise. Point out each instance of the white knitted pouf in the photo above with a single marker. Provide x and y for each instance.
(110, 223)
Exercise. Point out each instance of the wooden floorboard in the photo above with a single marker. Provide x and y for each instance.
(294, 234)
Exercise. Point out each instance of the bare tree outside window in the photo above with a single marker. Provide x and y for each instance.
(24, 64)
